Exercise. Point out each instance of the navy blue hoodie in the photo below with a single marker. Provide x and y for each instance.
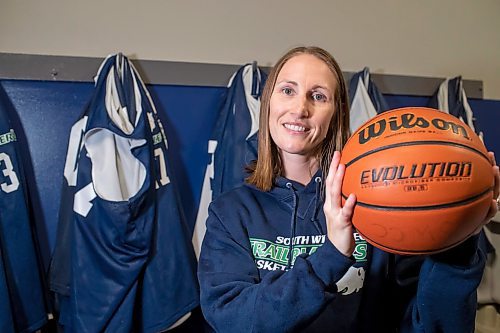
(250, 282)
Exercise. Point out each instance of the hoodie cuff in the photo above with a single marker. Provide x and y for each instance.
(464, 254)
(329, 264)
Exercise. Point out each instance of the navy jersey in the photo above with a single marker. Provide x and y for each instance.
(109, 256)
(21, 265)
(232, 143)
(366, 100)
(450, 97)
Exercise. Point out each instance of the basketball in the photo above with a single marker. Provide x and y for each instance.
(422, 179)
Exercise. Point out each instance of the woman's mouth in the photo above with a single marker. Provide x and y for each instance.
(295, 128)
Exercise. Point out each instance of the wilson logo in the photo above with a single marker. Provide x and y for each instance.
(408, 121)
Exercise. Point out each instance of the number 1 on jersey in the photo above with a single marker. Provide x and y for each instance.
(164, 179)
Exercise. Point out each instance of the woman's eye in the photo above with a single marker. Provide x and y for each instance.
(319, 97)
(287, 91)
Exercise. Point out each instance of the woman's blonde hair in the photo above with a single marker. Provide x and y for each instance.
(264, 171)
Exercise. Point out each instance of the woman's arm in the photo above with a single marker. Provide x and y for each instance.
(446, 299)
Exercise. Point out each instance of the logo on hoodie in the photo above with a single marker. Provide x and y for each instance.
(274, 255)
(352, 281)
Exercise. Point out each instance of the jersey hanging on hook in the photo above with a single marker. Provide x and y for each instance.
(121, 228)
(366, 100)
(19, 250)
(234, 135)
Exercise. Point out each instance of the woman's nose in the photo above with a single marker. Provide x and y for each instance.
(302, 107)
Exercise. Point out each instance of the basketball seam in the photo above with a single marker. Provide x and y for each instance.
(406, 251)
(414, 143)
(420, 208)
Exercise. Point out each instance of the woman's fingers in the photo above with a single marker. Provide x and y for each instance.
(337, 186)
(491, 155)
(333, 168)
(348, 208)
(334, 183)
(496, 188)
(332, 171)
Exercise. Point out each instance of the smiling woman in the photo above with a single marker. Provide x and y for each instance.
(301, 110)
(305, 88)
(280, 253)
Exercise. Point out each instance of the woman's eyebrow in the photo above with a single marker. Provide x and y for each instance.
(288, 81)
(321, 87)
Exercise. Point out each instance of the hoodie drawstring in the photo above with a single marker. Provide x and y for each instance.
(317, 206)
(292, 225)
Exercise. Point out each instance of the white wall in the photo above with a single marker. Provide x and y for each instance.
(425, 38)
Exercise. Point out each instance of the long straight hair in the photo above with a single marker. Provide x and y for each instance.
(268, 166)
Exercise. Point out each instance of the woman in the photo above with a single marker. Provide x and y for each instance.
(280, 253)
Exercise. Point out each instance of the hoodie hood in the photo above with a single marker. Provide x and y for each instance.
(293, 196)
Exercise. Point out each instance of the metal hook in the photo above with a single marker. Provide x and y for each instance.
(254, 66)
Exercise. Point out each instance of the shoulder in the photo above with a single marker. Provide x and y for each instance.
(239, 197)
(231, 212)
(242, 205)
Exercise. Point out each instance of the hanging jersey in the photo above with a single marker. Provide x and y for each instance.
(366, 100)
(233, 136)
(110, 218)
(450, 97)
(108, 232)
(18, 246)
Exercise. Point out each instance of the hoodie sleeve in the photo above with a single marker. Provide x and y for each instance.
(446, 299)
(235, 299)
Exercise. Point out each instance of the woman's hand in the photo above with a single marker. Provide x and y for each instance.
(496, 190)
(338, 218)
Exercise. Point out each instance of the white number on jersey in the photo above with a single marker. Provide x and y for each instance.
(164, 179)
(74, 147)
(9, 173)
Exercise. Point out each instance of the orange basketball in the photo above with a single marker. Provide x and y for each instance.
(422, 178)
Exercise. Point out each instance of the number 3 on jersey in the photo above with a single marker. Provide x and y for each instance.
(10, 182)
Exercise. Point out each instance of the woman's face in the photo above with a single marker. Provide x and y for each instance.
(301, 106)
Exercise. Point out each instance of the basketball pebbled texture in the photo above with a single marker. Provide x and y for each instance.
(422, 179)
